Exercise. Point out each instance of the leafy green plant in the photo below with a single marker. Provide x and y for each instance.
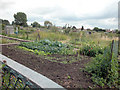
(50, 47)
(91, 50)
(34, 51)
(68, 76)
(104, 69)
(30, 50)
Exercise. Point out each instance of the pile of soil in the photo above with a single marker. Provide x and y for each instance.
(66, 75)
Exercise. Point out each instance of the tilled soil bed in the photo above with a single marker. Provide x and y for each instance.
(66, 75)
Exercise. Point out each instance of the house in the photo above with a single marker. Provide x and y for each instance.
(108, 30)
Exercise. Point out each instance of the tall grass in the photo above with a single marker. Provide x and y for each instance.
(4, 41)
(82, 38)
(49, 35)
(76, 38)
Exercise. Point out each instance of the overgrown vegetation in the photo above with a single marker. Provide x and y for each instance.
(91, 50)
(104, 68)
(5, 41)
(49, 35)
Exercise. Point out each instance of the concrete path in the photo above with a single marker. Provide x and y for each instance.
(37, 78)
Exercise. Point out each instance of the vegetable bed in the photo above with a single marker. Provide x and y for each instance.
(48, 47)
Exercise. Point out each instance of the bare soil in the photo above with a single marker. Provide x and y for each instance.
(66, 75)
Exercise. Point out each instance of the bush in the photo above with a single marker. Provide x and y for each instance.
(91, 50)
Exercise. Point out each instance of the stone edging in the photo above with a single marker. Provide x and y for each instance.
(37, 78)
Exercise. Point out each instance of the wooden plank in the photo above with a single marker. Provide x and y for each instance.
(17, 39)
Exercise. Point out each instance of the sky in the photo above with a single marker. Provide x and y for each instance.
(87, 13)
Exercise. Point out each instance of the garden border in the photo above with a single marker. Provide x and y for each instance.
(11, 38)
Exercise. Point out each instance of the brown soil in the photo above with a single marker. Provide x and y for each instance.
(66, 75)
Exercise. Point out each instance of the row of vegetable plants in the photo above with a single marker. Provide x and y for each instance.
(47, 47)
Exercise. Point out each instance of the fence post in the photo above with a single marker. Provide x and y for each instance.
(111, 49)
(119, 43)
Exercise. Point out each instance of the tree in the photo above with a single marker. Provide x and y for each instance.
(20, 19)
(47, 24)
(5, 22)
(13, 23)
(67, 30)
(35, 24)
(82, 28)
(98, 29)
(74, 27)
(64, 27)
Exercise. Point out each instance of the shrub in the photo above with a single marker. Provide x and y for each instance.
(91, 50)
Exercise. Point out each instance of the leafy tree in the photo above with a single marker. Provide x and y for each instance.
(64, 27)
(20, 19)
(35, 24)
(5, 22)
(98, 29)
(74, 27)
(47, 24)
(0, 20)
(82, 28)
(13, 23)
(67, 31)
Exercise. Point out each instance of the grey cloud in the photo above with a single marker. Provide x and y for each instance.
(4, 5)
(91, 19)
(99, 23)
(102, 25)
(38, 19)
(45, 10)
(109, 12)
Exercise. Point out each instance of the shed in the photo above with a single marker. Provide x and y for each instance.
(9, 29)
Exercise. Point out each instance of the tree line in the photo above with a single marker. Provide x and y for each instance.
(20, 19)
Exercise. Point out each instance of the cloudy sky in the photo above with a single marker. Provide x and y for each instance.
(89, 13)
